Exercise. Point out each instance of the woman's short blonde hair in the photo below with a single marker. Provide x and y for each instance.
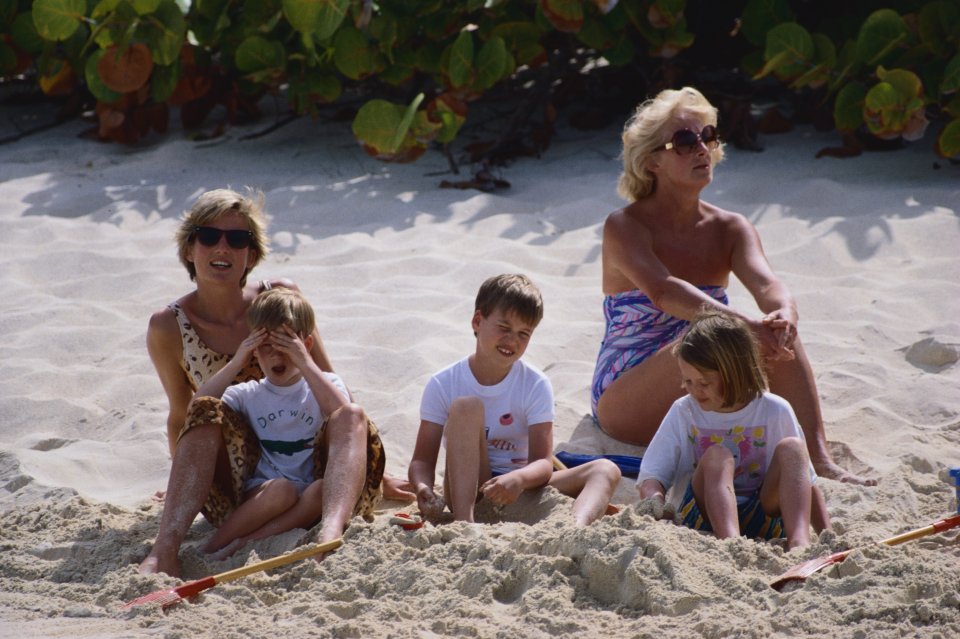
(212, 205)
(645, 131)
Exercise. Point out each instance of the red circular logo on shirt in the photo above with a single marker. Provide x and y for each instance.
(506, 419)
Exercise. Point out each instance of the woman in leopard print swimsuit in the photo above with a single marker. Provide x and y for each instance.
(220, 240)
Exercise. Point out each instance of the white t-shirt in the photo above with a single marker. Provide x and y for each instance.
(286, 420)
(522, 399)
(751, 434)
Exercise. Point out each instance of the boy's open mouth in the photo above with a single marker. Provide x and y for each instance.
(279, 369)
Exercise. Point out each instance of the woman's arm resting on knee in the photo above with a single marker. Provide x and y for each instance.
(166, 348)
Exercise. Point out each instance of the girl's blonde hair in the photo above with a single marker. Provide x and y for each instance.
(722, 342)
(212, 205)
(645, 131)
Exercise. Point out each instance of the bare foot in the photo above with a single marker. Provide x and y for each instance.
(158, 562)
(397, 489)
(830, 470)
(229, 550)
(159, 496)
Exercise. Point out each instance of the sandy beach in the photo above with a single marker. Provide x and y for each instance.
(391, 262)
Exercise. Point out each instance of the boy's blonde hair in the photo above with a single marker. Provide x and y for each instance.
(511, 293)
(645, 131)
(212, 205)
(722, 342)
(276, 307)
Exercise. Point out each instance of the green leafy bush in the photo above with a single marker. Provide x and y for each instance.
(412, 69)
(884, 72)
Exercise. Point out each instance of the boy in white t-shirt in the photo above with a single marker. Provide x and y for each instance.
(494, 412)
(294, 408)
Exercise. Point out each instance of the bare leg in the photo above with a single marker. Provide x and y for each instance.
(819, 516)
(794, 381)
(269, 501)
(787, 491)
(713, 489)
(304, 514)
(191, 477)
(632, 407)
(467, 462)
(346, 440)
(591, 485)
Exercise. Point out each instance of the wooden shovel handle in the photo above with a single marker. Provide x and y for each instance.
(282, 560)
(938, 526)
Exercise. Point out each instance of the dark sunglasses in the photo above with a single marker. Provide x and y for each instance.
(686, 141)
(210, 236)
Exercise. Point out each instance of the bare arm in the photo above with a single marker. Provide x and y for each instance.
(166, 348)
(423, 468)
(219, 381)
(629, 255)
(778, 328)
(651, 488)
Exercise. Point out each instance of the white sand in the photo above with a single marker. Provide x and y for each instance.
(391, 263)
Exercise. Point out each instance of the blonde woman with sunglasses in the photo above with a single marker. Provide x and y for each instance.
(668, 253)
(219, 241)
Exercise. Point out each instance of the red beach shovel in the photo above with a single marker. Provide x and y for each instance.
(171, 596)
(801, 571)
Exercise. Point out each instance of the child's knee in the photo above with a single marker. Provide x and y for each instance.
(350, 418)
(716, 456)
(466, 416)
(281, 492)
(606, 470)
(791, 448)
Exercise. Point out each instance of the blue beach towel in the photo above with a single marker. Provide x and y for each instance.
(629, 466)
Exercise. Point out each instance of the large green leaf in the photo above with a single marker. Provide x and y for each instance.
(937, 22)
(491, 62)
(144, 7)
(94, 83)
(460, 65)
(58, 19)
(951, 76)
(906, 82)
(848, 107)
(759, 16)
(256, 53)
(164, 32)
(883, 31)
(792, 46)
(354, 55)
(948, 142)
(321, 18)
(377, 123)
(564, 15)
(451, 113)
